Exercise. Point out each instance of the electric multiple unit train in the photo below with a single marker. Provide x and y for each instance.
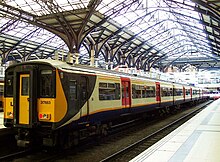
(55, 103)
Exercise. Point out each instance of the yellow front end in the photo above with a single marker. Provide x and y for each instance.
(8, 111)
(53, 109)
(46, 107)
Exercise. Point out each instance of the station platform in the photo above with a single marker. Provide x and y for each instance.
(197, 140)
(2, 120)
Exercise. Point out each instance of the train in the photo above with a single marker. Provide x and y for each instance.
(53, 103)
(1, 95)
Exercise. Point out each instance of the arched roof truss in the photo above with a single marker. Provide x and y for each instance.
(132, 33)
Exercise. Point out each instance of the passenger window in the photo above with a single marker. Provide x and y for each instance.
(83, 89)
(150, 91)
(73, 89)
(141, 91)
(178, 92)
(166, 91)
(109, 91)
(136, 91)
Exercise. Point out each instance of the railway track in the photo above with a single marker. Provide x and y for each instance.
(14, 155)
(136, 148)
(80, 153)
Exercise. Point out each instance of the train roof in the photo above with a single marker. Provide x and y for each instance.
(89, 69)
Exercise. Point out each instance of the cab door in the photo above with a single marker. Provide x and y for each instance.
(24, 99)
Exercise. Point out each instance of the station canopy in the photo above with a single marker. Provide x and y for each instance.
(140, 34)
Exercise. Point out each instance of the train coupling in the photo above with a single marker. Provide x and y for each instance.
(48, 142)
(23, 143)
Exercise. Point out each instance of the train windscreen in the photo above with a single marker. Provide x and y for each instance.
(9, 84)
(47, 84)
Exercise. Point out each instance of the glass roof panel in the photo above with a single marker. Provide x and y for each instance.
(168, 26)
(156, 16)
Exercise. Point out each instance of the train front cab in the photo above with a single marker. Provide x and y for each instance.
(30, 99)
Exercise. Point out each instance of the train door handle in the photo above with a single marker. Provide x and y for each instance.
(28, 99)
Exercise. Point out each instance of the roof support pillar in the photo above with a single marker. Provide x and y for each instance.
(70, 58)
(56, 55)
(73, 57)
(96, 62)
(92, 60)
(76, 54)
(106, 65)
(111, 65)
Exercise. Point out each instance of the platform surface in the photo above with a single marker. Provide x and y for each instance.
(1, 120)
(197, 140)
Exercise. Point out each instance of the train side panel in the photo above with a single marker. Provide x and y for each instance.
(143, 95)
(105, 101)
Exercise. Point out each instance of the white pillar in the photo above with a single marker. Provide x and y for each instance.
(106, 65)
(63, 56)
(70, 58)
(92, 57)
(96, 62)
(77, 58)
(56, 56)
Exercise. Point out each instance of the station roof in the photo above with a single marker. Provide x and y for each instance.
(134, 33)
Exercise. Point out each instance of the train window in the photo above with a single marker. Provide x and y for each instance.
(187, 92)
(9, 84)
(83, 89)
(111, 85)
(46, 72)
(144, 93)
(178, 92)
(103, 85)
(166, 91)
(109, 91)
(73, 89)
(46, 83)
(149, 91)
(195, 92)
(136, 91)
(117, 91)
(25, 86)
(140, 91)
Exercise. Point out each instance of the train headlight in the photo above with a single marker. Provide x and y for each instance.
(10, 114)
(44, 116)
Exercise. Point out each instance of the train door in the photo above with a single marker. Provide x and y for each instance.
(184, 93)
(126, 92)
(24, 99)
(158, 96)
(191, 93)
(84, 95)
